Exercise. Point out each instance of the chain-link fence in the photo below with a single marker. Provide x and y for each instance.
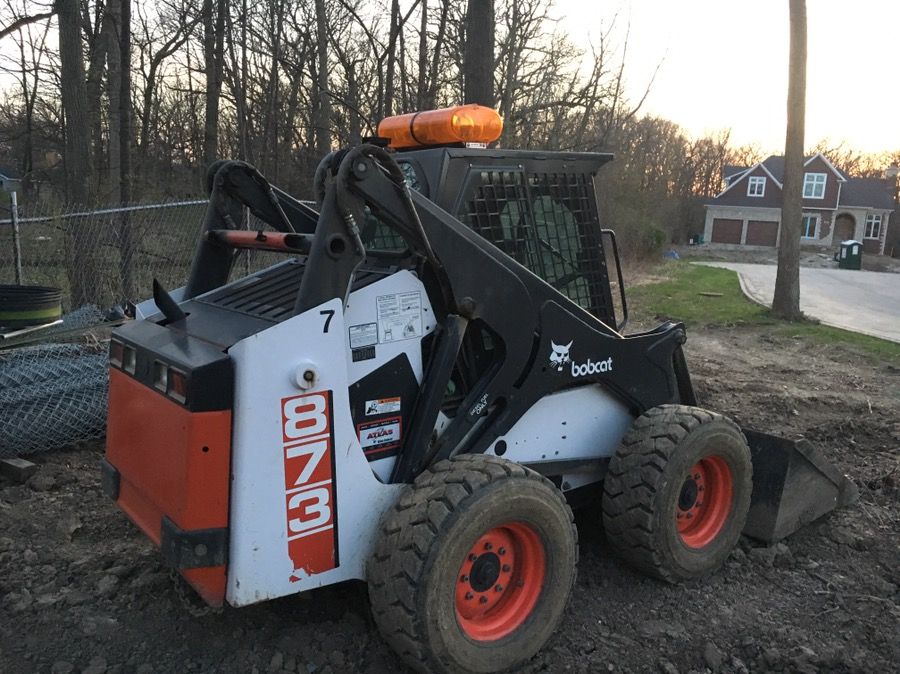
(53, 391)
(105, 256)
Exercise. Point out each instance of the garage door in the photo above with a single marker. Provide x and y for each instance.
(762, 233)
(726, 231)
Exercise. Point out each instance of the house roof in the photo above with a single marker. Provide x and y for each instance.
(775, 164)
(729, 170)
(868, 192)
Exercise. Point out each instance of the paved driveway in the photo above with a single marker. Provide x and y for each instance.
(862, 301)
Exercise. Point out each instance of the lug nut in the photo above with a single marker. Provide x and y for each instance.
(689, 515)
(498, 588)
(469, 595)
(464, 579)
(697, 476)
(482, 600)
(473, 557)
(507, 568)
(501, 551)
(488, 546)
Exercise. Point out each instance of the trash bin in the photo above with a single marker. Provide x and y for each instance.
(850, 255)
(696, 240)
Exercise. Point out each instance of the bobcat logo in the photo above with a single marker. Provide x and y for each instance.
(560, 355)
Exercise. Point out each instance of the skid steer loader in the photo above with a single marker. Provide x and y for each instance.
(418, 394)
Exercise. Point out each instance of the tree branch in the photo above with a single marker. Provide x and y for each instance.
(23, 21)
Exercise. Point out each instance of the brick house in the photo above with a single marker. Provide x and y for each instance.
(835, 207)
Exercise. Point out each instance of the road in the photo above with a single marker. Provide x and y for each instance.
(862, 301)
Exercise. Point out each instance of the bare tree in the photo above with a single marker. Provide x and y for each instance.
(786, 303)
(323, 102)
(213, 13)
(478, 61)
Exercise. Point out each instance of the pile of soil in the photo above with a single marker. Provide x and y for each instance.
(81, 590)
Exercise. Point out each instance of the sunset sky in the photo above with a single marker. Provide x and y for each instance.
(724, 65)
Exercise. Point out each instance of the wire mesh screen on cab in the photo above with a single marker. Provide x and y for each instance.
(547, 222)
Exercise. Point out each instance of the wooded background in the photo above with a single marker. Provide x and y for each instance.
(279, 83)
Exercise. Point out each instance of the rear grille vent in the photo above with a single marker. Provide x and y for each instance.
(271, 293)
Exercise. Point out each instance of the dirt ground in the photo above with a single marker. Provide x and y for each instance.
(82, 591)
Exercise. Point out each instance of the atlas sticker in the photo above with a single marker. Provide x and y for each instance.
(380, 436)
(362, 335)
(383, 406)
(399, 316)
(309, 482)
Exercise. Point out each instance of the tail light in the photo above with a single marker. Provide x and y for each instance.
(177, 385)
(116, 353)
(122, 356)
(170, 381)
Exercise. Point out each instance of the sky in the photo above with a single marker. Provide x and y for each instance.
(724, 65)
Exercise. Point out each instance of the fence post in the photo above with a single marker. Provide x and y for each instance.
(17, 243)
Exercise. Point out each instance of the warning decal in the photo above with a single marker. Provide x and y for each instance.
(399, 316)
(363, 335)
(383, 406)
(380, 436)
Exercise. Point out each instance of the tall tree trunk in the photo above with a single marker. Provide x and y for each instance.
(431, 98)
(323, 104)
(422, 88)
(389, 89)
(214, 62)
(80, 263)
(112, 26)
(98, 46)
(786, 303)
(127, 243)
(478, 58)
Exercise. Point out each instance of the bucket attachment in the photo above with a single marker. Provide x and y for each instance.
(793, 485)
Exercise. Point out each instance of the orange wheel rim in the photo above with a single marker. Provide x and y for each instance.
(500, 581)
(704, 502)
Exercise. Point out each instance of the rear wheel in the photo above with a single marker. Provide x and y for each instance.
(473, 567)
(677, 492)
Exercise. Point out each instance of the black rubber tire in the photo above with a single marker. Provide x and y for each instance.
(645, 478)
(423, 541)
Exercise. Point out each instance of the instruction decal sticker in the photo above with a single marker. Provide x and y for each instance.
(362, 335)
(399, 316)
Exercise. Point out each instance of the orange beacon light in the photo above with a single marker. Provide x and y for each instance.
(459, 124)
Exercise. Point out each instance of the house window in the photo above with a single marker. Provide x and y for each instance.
(873, 226)
(814, 186)
(810, 227)
(756, 187)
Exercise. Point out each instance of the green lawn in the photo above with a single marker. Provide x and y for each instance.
(678, 296)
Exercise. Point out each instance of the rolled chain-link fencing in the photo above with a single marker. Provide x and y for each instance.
(53, 382)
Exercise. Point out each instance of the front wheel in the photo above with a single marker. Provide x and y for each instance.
(473, 567)
(677, 492)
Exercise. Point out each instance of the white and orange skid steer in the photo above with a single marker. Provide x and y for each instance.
(419, 393)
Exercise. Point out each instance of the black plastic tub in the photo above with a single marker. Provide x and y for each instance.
(26, 306)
